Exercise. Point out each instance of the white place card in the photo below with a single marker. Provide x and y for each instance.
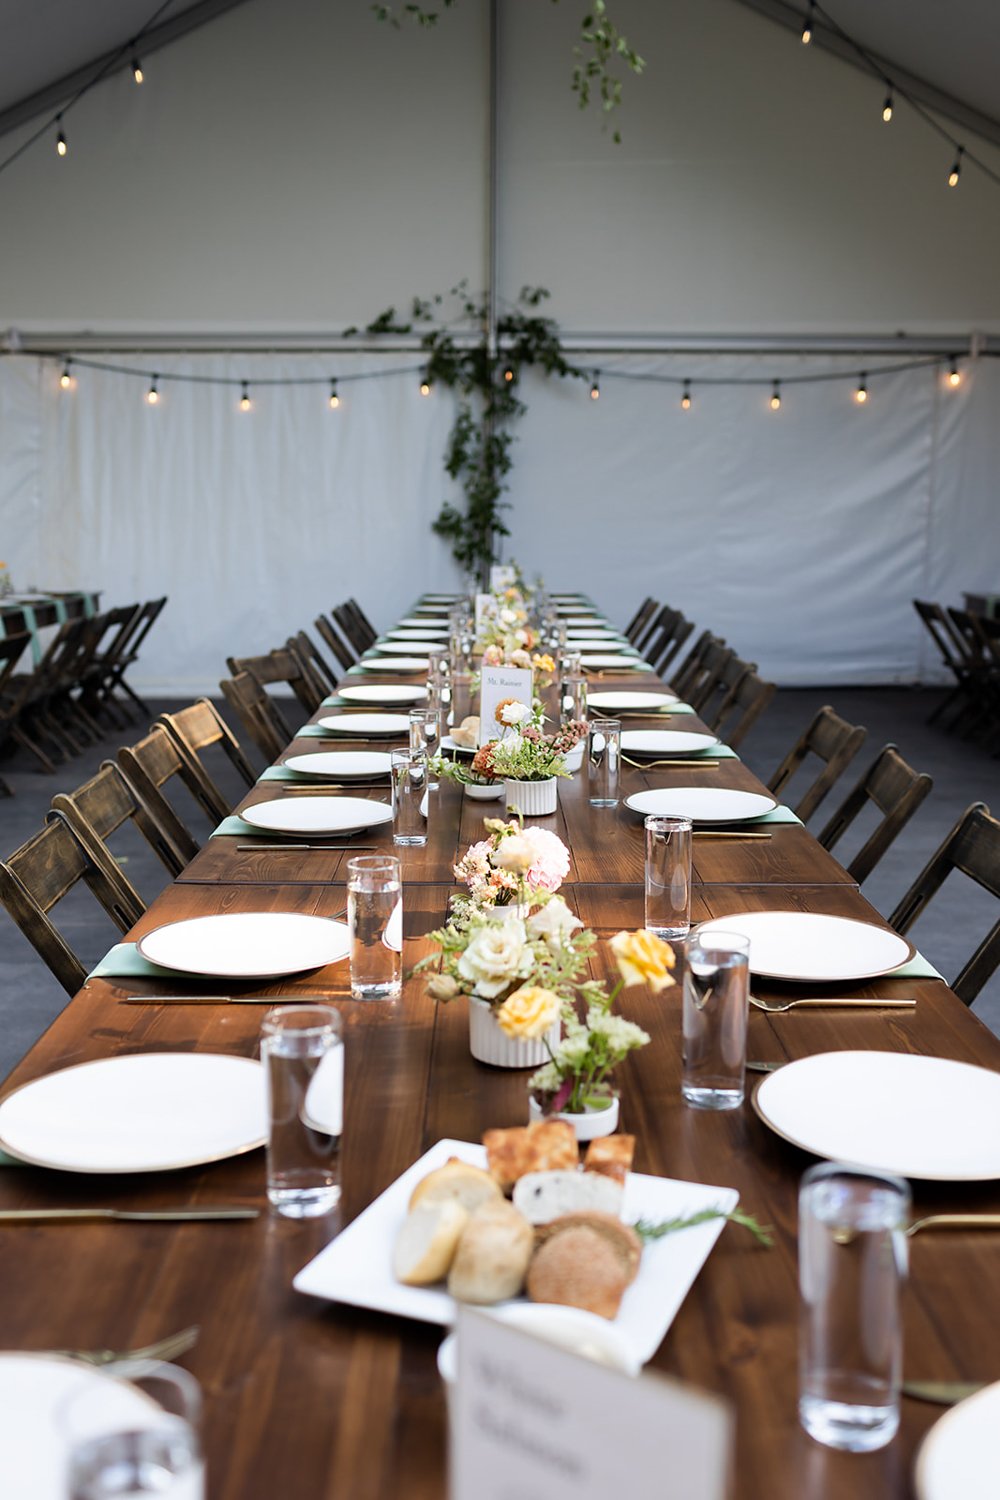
(502, 576)
(531, 1421)
(486, 612)
(497, 683)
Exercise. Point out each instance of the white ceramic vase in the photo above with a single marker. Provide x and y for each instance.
(488, 1044)
(535, 799)
(588, 1126)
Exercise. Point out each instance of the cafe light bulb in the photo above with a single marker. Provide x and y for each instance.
(954, 375)
(508, 374)
(686, 396)
(956, 168)
(152, 395)
(861, 394)
(887, 108)
(595, 391)
(137, 72)
(61, 147)
(334, 398)
(807, 33)
(776, 396)
(245, 398)
(66, 379)
(425, 387)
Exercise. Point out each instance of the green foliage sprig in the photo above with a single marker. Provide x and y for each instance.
(648, 1231)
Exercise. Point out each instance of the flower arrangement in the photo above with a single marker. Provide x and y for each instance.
(512, 864)
(531, 755)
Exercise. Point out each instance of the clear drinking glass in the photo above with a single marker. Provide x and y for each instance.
(460, 657)
(302, 1049)
(425, 731)
(144, 1441)
(603, 757)
(715, 1006)
(375, 920)
(668, 876)
(410, 805)
(852, 1264)
(573, 697)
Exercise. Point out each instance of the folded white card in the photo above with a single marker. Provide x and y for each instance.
(496, 684)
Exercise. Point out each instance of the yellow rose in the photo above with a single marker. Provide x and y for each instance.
(643, 958)
(528, 1013)
(443, 987)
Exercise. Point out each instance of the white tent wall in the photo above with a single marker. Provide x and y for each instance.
(297, 167)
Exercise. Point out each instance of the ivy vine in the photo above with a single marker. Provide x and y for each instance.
(478, 453)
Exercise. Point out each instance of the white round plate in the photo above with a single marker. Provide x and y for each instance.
(435, 639)
(395, 664)
(34, 1389)
(447, 743)
(416, 623)
(434, 609)
(959, 1457)
(317, 814)
(341, 763)
(368, 726)
(924, 1117)
(441, 598)
(814, 946)
(406, 648)
(631, 700)
(246, 944)
(577, 612)
(666, 741)
(143, 1112)
(388, 693)
(621, 663)
(595, 643)
(702, 804)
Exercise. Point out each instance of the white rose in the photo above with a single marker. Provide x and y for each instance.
(554, 923)
(494, 956)
(514, 713)
(507, 616)
(514, 853)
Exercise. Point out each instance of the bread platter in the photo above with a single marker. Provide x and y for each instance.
(357, 1268)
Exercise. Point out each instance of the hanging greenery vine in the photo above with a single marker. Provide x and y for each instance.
(478, 454)
(601, 46)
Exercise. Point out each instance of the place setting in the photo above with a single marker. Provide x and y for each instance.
(389, 664)
(716, 812)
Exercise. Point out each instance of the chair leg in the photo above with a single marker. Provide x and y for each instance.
(22, 738)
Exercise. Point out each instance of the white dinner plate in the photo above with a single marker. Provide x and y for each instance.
(142, 1112)
(447, 743)
(814, 946)
(617, 662)
(317, 814)
(389, 692)
(341, 763)
(702, 804)
(434, 609)
(356, 1267)
(437, 640)
(405, 648)
(960, 1456)
(441, 598)
(368, 726)
(577, 611)
(394, 664)
(622, 701)
(246, 944)
(34, 1390)
(666, 741)
(416, 623)
(923, 1117)
(595, 643)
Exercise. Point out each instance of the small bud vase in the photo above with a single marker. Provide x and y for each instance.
(588, 1126)
(489, 1044)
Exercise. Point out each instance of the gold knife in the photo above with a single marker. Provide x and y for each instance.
(228, 999)
(943, 1392)
(146, 1215)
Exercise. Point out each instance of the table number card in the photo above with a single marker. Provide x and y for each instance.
(486, 613)
(502, 576)
(530, 1421)
(498, 683)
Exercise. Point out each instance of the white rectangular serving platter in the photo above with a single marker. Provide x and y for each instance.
(356, 1267)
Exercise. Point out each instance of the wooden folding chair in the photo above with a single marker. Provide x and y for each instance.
(834, 742)
(307, 651)
(200, 727)
(282, 666)
(362, 619)
(341, 650)
(892, 786)
(359, 635)
(45, 869)
(674, 630)
(723, 689)
(150, 765)
(703, 683)
(954, 656)
(687, 674)
(117, 627)
(747, 701)
(635, 627)
(99, 807)
(128, 654)
(12, 647)
(973, 848)
(259, 714)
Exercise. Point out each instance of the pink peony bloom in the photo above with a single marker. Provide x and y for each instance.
(550, 860)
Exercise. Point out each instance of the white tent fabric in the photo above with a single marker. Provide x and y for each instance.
(801, 535)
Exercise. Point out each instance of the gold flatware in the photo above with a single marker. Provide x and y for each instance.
(942, 1392)
(625, 713)
(142, 1216)
(844, 1002)
(955, 1221)
(312, 848)
(730, 833)
(167, 1348)
(764, 1067)
(224, 999)
(688, 765)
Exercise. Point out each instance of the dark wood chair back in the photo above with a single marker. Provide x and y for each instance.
(835, 742)
(127, 653)
(99, 807)
(282, 666)
(307, 651)
(12, 648)
(664, 652)
(897, 790)
(714, 661)
(686, 677)
(149, 766)
(259, 714)
(737, 715)
(44, 870)
(201, 727)
(341, 650)
(363, 620)
(723, 689)
(635, 627)
(353, 628)
(973, 848)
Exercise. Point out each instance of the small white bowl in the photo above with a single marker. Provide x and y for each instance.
(484, 793)
(571, 1328)
(574, 757)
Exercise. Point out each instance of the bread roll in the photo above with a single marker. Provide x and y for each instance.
(579, 1268)
(427, 1242)
(611, 1155)
(542, 1196)
(492, 1256)
(467, 1185)
(621, 1238)
(543, 1146)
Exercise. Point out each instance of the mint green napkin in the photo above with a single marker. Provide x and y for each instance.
(235, 825)
(334, 701)
(776, 815)
(714, 752)
(126, 962)
(282, 773)
(313, 732)
(11, 1161)
(917, 968)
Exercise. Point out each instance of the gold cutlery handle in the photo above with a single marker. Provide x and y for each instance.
(846, 1001)
(955, 1221)
(153, 1215)
(942, 1392)
(225, 999)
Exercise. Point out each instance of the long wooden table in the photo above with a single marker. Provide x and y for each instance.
(310, 1400)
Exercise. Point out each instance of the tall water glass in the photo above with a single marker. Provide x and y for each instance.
(375, 920)
(570, 663)
(302, 1049)
(573, 698)
(668, 876)
(714, 1008)
(603, 758)
(460, 657)
(425, 732)
(410, 804)
(139, 1436)
(852, 1263)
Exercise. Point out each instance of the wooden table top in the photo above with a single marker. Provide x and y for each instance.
(312, 1400)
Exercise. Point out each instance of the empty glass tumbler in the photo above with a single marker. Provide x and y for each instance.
(714, 1009)
(603, 759)
(852, 1265)
(138, 1436)
(302, 1049)
(375, 922)
(425, 732)
(410, 797)
(668, 876)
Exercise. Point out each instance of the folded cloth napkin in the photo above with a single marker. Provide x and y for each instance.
(313, 731)
(917, 968)
(11, 1161)
(236, 826)
(334, 701)
(282, 773)
(776, 815)
(125, 961)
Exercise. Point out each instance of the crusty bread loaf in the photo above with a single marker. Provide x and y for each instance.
(427, 1242)
(622, 1239)
(579, 1268)
(543, 1146)
(492, 1255)
(468, 1185)
(467, 733)
(611, 1155)
(542, 1196)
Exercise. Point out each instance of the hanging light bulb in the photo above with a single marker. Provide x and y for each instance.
(152, 395)
(887, 107)
(807, 28)
(686, 396)
(861, 394)
(334, 398)
(954, 374)
(508, 374)
(66, 379)
(245, 398)
(776, 396)
(137, 72)
(956, 168)
(61, 147)
(595, 389)
(425, 387)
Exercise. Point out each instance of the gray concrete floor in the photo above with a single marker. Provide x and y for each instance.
(952, 927)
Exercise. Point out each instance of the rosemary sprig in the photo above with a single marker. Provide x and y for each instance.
(648, 1231)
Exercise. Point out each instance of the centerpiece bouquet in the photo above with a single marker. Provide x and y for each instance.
(529, 761)
(513, 866)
